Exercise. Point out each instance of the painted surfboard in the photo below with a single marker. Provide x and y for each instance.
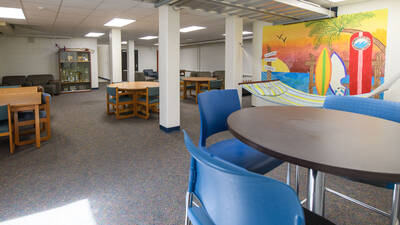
(323, 71)
(338, 73)
(360, 63)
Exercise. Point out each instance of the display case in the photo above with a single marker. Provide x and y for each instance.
(75, 70)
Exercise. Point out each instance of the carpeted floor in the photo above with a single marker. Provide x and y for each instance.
(129, 170)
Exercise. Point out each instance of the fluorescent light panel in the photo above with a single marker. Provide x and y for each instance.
(118, 22)
(243, 33)
(94, 34)
(11, 13)
(148, 37)
(191, 28)
(124, 42)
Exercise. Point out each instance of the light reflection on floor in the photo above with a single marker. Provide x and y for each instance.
(74, 213)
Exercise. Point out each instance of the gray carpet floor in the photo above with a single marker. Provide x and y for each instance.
(129, 170)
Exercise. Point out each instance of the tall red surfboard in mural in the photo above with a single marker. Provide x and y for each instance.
(360, 65)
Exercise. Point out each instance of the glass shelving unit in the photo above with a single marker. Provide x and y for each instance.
(75, 70)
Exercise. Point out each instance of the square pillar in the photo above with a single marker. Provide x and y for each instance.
(257, 43)
(131, 60)
(234, 53)
(169, 41)
(115, 55)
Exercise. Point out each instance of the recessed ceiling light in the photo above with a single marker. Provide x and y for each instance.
(94, 34)
(118, 22)
(156, 44)
(243, 33)
(11, 13)
(148, 37)
(191, 28)
(124, 42)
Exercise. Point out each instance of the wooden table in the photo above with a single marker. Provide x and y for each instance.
(197, 81)
(24, 101)
(341, 143)
(134, 87)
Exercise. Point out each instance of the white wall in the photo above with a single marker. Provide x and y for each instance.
(147, 57)
(103, 55)
(211, 57)
(392, 65)
(18, 56)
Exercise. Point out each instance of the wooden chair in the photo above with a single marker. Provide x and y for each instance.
(121, 102)
(211, 85)
(22, 119)
(6, 125)
(148, 100)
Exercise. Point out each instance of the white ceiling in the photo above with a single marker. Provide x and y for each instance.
(75, 18)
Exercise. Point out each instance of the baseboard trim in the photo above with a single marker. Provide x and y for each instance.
(170, 129)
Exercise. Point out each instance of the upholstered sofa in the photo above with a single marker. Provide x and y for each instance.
(150, 73)
(219, 74)
(200, 74)
(47, 81)
(15, 80)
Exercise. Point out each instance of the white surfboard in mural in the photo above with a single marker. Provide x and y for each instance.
(338, 72)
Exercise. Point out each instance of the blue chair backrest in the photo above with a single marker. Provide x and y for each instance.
(112, 91)
(367, 106)
(3, 112)
(153, 92)
(232, 195)
(215, 106)
(10, 86)
(44, 95)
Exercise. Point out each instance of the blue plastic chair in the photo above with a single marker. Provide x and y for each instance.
(367, 106)
(6, 126)
(215, 106)
(228, 194)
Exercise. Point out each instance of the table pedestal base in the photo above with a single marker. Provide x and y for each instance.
(395, 205)
(316, 192)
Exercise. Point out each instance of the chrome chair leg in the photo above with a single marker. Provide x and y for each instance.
(288, 174)
(189, 198)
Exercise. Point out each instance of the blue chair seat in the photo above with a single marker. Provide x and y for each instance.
(3, 126)
(123, 98)
(151, 99)
(240, 154)
(25, 116)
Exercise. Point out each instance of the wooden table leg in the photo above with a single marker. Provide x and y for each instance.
(184, 89)
(135, 106)
(16, 128)
(37, 126)
(197, 90)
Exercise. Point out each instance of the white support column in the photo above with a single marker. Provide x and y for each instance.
(258, 27)
(131, 60)
(169, 40)
(234, 53)
(115, 55)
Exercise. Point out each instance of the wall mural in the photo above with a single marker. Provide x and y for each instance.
(338, 56)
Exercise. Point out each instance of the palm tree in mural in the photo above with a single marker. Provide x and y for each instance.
(328, 30)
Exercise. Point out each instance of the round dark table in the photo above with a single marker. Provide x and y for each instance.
(336, 142)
